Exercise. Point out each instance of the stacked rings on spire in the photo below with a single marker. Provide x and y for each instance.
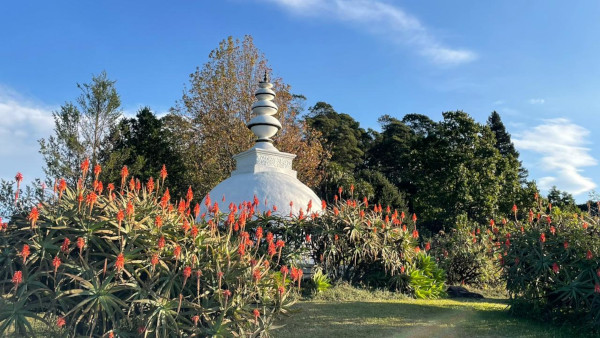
(263, 124)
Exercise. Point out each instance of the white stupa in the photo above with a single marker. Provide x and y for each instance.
(263, 171)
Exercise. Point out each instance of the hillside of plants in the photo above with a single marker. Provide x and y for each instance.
(115, 240)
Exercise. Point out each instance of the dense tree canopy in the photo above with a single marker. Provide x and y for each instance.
(144, 144)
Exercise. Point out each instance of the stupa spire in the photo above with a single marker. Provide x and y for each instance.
(264, 125)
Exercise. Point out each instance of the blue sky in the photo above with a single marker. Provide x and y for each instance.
(535, 62)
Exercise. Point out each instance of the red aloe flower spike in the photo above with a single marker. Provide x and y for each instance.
(33, 216)
(120, 217)
(284, 272)
(62, 186)
(25, 252)
(163, 173)
(414, 218)
(65, 245)
(256, 314)
(514, 210)
(97, 170)
(130, 209)
(177, 252)
(150, 185)
(196, 210)
(85, 166)
(124, 174)
(154, 260)
(19, 179)
(120, 263)
(60, 322)
(17, 278)
(187, 272)
(190, 194)
(56, 263)
(80, 244)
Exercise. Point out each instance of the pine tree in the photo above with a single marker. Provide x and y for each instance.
(503, 142)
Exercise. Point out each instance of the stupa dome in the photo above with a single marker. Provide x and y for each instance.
(264, 173)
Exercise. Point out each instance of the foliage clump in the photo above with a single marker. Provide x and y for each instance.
(119, 260)
(361, 244)
(551, 266)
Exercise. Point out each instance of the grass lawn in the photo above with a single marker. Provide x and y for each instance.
(374, 317)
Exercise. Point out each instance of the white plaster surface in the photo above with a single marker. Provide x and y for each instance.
(277, 188)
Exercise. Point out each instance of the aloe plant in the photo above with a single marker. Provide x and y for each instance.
(129, 260)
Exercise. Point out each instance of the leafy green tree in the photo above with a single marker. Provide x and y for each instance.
(81, 129)
(390, 151)
(341, 135)
(144, 144)
(562, 199)
(384, 191)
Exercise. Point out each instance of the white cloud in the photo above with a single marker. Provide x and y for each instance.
(498, 102)
(537, 101)
(22, 123)
(560, 143)
(383, 19)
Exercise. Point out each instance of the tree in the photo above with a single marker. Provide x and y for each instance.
(144, 144)
(341, 135)
(81, 129)
(218, 104)
(503, 142)
(389, 153)
(562, 199)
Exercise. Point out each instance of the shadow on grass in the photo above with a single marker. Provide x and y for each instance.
(443, 318)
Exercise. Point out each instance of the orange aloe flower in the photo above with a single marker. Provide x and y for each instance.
(25, 252)
(33, 216)
(120, 263)
(17, 278)
(97, 170)
(85, 166)
(56, 263)
(150, 185)
(163, 172)
(60, 322)
(80, 244)
(19, 179)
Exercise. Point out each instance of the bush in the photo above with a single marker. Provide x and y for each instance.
(552, 268)
(467, 254)
(352, 242)
(106, 262)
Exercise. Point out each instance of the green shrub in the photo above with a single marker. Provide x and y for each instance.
(552, 269)
(426, 278)
(108, 262)
(352, 242)
(467, 254)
